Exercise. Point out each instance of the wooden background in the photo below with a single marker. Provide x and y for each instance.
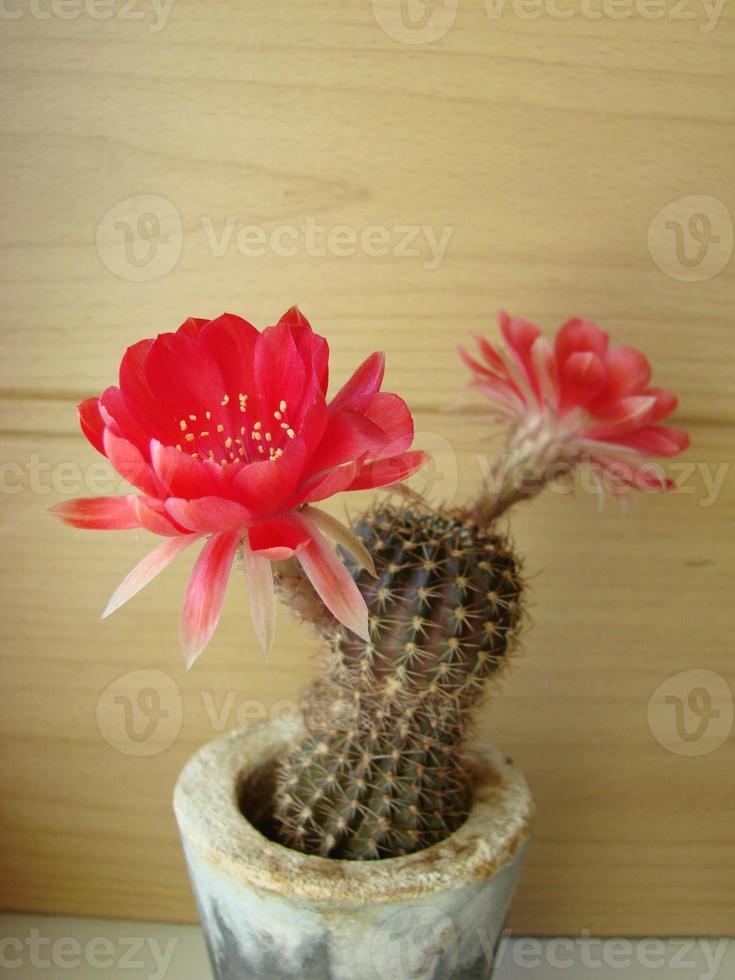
(548, 146)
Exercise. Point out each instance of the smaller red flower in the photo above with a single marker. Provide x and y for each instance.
(227, 434)
(578, 399)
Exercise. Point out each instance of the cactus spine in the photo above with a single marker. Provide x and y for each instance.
(381, 770)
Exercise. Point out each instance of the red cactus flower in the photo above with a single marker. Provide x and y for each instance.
(227, 434)
(577, 400)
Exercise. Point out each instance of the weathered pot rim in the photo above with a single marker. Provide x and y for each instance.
(206, 803)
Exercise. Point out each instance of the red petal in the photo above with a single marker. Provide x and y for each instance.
(503, 393)
(666, 402)
(656, 440)
(490, 354)
(98, 513)
(360, 389)
(545, 367)
(333, 582)
(325, 484)
(147, 569)
(277, 539)
(313, 426)
(280, 373)
(92, 423)
(140, 402)
(262, 599)
(293, 317)
(264, 487)
(208, 514)
(582, 377)
(628, 373)
(184, 476)
(313, 349)
(385, 472)
(342, 535)
(500, 384)
(474, 365)
(352, 436)
(626, 415)
(151, 515)
(184, 377)
(391, 414)
(117, 417)
(520, 335)
(206, 592)
(576, 336)
(129, 463)
(192, 326)
(644, 477)
(230, 342)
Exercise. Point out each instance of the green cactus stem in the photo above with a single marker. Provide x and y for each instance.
(381, 771)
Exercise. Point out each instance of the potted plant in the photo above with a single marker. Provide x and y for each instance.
(372, 838)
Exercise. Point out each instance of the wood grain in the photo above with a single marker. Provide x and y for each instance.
(547, 147)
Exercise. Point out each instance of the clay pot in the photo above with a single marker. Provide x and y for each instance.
(272, 913)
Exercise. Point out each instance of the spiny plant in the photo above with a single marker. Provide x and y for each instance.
(227, 436)
(382, 770)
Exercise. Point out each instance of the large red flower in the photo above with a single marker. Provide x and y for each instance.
(227, 434)
(578, 399)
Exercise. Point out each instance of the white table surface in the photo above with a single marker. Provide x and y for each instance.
(58, 948)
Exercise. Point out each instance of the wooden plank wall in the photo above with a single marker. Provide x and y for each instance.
(547, 146)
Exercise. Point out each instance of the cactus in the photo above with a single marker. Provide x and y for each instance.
(381, 771)
(241, 451)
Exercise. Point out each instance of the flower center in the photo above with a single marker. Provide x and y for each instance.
(228, 433)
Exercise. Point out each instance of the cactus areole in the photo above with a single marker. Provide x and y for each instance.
(227, 434)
